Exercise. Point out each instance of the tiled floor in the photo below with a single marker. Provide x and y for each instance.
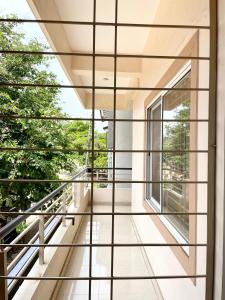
(129, 261)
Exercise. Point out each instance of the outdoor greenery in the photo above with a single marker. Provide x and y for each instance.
(79, 135)
(34, 133)
(176, 137)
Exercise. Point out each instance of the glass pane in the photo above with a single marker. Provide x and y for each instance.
(156, 145)
(176, 166)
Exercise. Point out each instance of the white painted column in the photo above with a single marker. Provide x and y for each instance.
(219, 281)
(123, 142)
(77, 193)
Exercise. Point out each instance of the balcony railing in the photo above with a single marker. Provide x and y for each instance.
(15, 261)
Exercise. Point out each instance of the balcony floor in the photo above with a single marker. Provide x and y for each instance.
(129, 261)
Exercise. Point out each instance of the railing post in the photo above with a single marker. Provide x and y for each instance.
(64, 209)
(3, 272)
(74, 194)
(77, 193)
(41, 239)
(86, 177)
(81, 193)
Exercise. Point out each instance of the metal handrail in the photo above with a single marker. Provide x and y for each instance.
(25, 231)
(35, 237)
(21, 235)
(15, 222)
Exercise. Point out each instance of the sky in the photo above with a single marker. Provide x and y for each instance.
(69, 101)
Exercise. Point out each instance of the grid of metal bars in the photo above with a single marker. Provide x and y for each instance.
(211, 150)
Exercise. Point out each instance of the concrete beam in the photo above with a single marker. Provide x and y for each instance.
(105, 101)
(125, 66)
(57, 38)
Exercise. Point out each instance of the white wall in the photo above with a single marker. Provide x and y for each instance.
(220, 181)
(123, 142)
(103, 196)
(163, 260)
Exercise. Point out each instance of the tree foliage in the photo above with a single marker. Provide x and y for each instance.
(80, 137)
(32, 133)
(176, 137)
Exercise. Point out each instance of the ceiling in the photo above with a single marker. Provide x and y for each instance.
(130, 40)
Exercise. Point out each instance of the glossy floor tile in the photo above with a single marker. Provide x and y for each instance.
(128, 261)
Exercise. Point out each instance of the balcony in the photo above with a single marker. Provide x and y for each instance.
(57, 241)
(56, 245)
(142, 225)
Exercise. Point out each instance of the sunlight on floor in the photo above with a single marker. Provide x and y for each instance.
(128, 261)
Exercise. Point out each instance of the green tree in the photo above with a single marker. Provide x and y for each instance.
(79, 137)
(176, 137)
(15, 132)
(101, 158)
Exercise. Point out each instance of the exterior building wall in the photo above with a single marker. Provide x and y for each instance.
(103, 196)
(123, 142)
(163, 259)
(219, 289)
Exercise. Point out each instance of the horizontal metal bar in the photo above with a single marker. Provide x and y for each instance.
(8, 84)
(21, 235)
(21, 180)
(107, 245)
(104, 278)
(104, 213)
(21, 253)
(99, 119)
(21, 272)
(111, 168)
(99, 150)
(54, 202)
(57, 53)
(12, 224)
(43, 21)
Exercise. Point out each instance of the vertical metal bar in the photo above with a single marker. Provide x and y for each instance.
(161, 157)
(92, 149)
(3, 272)
(211, 152)
(114, 147)
(88, 145)
(147, 187)
(41, 239)
(64, 209)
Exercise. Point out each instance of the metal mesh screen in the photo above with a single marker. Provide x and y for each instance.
(91, 179)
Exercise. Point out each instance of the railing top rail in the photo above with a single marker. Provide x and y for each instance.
(15, 222)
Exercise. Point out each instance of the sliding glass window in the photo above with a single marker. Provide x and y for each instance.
(169, 136)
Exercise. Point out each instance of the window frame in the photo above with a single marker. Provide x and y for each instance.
(154, 202)
(150, 200)
(188, 262)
